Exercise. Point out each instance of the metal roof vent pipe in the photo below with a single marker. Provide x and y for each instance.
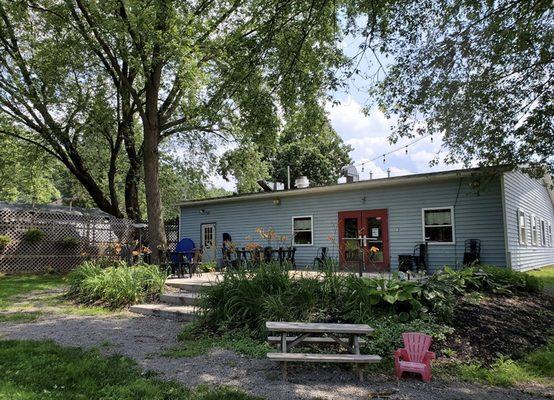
(302, 182)
(350, 172)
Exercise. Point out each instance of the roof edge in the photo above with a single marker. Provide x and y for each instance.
(372, 183)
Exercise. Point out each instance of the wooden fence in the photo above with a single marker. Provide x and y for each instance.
(68, 239)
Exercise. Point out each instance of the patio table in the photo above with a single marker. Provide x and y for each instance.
(296, 333)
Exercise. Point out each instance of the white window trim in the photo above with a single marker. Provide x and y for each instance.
(534, 240)
(550, 237)
(311, 217)
(451, 208)
(543, 239)
(522, 240)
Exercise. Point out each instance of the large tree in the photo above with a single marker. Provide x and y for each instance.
(310, 146)
(187, 68)
(479, 73)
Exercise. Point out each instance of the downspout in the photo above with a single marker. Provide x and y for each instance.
(454, 222)
(505, 222)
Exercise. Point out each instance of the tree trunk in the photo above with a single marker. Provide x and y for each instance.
(151, 159)
(132, 178)
(132, 206)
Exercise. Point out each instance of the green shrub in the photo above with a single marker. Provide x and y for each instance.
(387, 336)
(70, 242)
(5, 240)
(246, 300)
(34, 235)
(115, 286)
(506, 280)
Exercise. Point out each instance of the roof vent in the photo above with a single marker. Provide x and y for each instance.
(302, 182)
(351, 173)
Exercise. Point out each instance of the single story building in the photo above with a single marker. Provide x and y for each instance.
(507, 211)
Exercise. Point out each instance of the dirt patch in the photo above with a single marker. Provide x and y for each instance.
(508, 325)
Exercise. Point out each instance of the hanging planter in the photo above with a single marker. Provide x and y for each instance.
(34, 235)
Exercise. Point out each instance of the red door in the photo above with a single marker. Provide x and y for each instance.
(364, 238)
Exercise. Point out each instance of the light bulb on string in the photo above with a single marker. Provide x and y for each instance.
(431, 138)
(406, 150)
(384, 159)
(362, 167)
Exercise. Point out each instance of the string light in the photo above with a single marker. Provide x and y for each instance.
(384, 155)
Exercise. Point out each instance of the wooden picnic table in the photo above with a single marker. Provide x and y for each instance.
(295, 333)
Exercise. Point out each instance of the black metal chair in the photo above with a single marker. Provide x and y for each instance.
(268, 254)
(319, 260)
(281, 255)
(420, 256)
(195, 262)
(174, 263)
(290, 256)
(405, 262)
(472, 251)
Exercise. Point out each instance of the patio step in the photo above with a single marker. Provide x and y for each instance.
(181, 298)
(193, 287)
(167, 311)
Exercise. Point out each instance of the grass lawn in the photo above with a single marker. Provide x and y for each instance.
(15, 285)
(546, 275)
(194, 345)
(43, 370)
(17, 306)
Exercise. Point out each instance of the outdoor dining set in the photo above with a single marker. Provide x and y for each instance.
(250, 258)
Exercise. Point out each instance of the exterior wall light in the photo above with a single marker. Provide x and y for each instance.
(204, 212)
(276, 201)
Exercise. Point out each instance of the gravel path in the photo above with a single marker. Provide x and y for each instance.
(145, 338)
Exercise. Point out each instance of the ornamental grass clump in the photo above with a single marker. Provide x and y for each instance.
(117, 285)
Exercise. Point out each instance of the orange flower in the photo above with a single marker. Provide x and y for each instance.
(374, 249)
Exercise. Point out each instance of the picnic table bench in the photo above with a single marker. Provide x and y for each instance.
(295, 333)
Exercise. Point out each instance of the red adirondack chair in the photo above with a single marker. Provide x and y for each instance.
(415, 356)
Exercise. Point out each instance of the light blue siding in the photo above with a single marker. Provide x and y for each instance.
(476, 215)
(532, 197)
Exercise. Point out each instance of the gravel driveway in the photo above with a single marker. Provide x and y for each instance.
(145, 338)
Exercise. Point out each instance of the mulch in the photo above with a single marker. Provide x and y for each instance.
(508, 325)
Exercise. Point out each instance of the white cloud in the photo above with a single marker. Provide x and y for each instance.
(349, 118)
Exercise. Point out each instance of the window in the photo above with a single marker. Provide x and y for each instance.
(550, 234)
(208, 235)
(534, 230)
(521, 219)
(543, 232)
(302, 231)
(438, 225)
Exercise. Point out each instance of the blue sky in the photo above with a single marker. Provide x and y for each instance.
(368, 134)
